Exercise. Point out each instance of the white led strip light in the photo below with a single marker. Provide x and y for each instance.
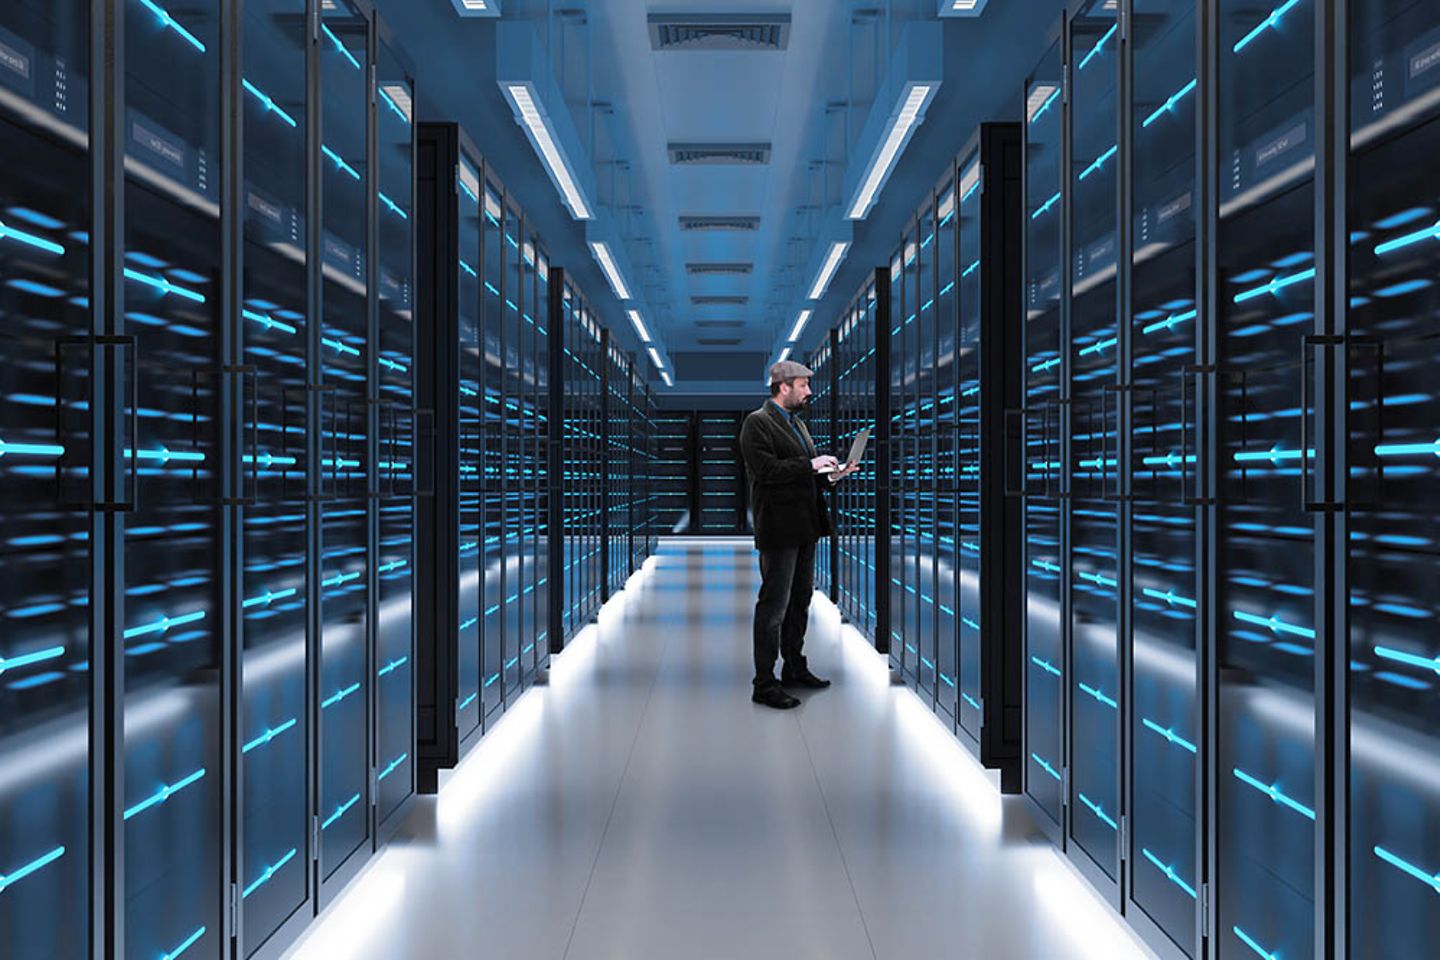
(612, 273)
(639, 325)
(800, 322)
(827, 270)
(880, 167)
(545, 143)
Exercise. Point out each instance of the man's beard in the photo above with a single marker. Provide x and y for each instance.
(795, 406)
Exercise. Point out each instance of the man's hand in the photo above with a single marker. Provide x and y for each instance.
(822, 463)
(843, 472)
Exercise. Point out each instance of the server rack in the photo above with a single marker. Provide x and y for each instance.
(672, 473)
(897, 483)
(719, 482)
(823, 431)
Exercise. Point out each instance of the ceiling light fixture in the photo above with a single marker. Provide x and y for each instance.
(639, 325)
(601, 250)
(784, 354)
(827, 269)
(655, 358)
(962, 8)
(477, 8)
(902, 123)
(537, 125)
(666, 377)
(800, 322)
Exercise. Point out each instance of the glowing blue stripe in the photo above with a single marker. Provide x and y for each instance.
(398, 112)
(339, 695)
(393, 766)
(270, 105)
(268, 873)
(165, 455)
(1046, 105)
(1409, 239)
(164, 624)
(1171, 598)
(1381, 450)
(1098, 695)
(9, 879)
(1045, 365)
(270, 734)
(492, 679)
(168, 21)
(30, 239)
(1275, 455)
(1274, 793)
(947, 288)
(394, 207)
(1246, 939)
(189, 942)
(1399, 656)
(1170, 104)
(1433, 881)
(1045, 565)
(340, 163)
(1169, 872)
(1169, 734)
(1272, 20)
(971, 269)
(1275, 286)
(514, 660)
(165, 793)
(163, 285)
(340, 811)
(1170, 322)
(1096, 49)
(1100, 346)
(339, 346)
(468, 269)
(268, 459)
(1171, 459)
(340, 578)
(1045, 665)
(1044, 765)
(265, 320)
(340, 46)
(1099, 812)
(1275, 625)
(392, 666)
(1100, 162)
(1046, 206)
(468, 700)
(26, 659)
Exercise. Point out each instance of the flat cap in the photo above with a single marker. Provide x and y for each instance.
(789, 370)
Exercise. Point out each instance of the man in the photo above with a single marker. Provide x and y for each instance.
(790, 515)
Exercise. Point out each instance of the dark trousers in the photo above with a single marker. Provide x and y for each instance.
(782, 611)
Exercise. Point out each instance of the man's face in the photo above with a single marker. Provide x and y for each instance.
(795, 394)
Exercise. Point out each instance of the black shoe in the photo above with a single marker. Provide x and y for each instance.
(803, 678)
(770, 695)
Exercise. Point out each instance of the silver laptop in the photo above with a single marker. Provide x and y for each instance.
(857, 450)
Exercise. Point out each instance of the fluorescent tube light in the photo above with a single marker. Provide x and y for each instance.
(901, 126)
(784, 354)
(549, 152)
(612, 273)
(655, 358)
(639, 325)
(800, 322)
(827, 269)
(666, 377)
(476, 8)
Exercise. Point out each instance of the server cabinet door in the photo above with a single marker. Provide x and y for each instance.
(512, 469)
(1044, 650)
(1164, 720)
(472, 439)
(344, 351)
(923, 598)
(45, 468)
(902, 657)
(492, 543)
(170, 559)
(970, 388)
(1265, 617)
(274, 727)
(541, 457)
(1394, 652)
(394, 403)
(1094, 580)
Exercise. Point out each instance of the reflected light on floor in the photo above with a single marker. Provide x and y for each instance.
(361, 914)
(1077, 910)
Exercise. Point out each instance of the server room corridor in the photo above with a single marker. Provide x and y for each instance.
(641, 807)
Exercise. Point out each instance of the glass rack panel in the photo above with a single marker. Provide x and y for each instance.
(968, 391)
(492, 390)
(470, 298)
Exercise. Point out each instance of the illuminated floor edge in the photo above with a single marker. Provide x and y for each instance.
(640, 806)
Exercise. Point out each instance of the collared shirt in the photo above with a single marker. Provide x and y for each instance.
(795, 425)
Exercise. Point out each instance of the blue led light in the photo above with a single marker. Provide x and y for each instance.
(270, 105)
(14, 877)
(339, 346)
(164, 285)
(340, 811)
(1169, 734)
(189, 942)
(270, 734)
(1274, 793)
(165, 455)
(398, 112)
(340, 163)
(1399, 863)
(268, 873)
(1275, 285)
(394, 207)
(1100, 162)
(1249, 941)
(1274, 455)
(268, 459)
(968, 270)
(1169, 105)
(164, 624)
(1096, 49)
(30, 239)
(1046, 105)
(1169, 872)
(268, 322)
(1170, 597)
(1045, 765)
(392, 666)
(39, 289)
(1099, 695)
(1272, 20)
(31, 449)
(467, 701)
(338, 696)
(468, 269)
(1275, 625)
(168, 21)
(1099, 812)
(340, 46)
(1170, 322)
(1046, 206)
(1409, 239)
(392, 766)
(1045, 665)
(165, 793)
(1400, 656)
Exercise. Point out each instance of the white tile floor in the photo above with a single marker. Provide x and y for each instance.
(641, 807)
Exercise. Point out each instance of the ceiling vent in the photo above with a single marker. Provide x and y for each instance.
(719, 342)
(726, 154)
(734, 224)
(718, 269)
(720, 301)
(719, 31)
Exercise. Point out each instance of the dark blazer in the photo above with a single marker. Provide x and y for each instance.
(787, 497)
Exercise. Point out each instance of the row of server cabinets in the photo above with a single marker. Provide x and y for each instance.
(701, 487)
(1214, 442)
(219, 447)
